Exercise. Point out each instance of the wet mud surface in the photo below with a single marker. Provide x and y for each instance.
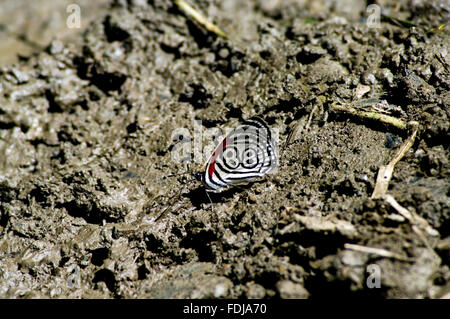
(86, 166)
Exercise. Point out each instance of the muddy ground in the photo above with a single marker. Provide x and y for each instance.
(86, 166)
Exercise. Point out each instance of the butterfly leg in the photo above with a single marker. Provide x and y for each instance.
(209, 197)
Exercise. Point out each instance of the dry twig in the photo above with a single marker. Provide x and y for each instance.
(381, 187)
(376, 251)
(201, 19)
(387, 119)
(385, 172)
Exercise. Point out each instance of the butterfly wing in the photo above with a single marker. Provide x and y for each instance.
(244, 155)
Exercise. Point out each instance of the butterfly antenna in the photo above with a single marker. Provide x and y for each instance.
(180, 174)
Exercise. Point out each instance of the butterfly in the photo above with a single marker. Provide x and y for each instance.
(248, 152)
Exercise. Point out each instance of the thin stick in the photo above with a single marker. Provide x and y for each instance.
(385, 172)
(400, 209)
(399, 22)
(382, 184)
(417, 222)
(201, 19)
(387, 119)
(376, 251)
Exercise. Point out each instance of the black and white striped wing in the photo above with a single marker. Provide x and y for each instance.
(245, 154)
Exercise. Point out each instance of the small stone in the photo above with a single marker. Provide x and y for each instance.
(320, 224)
(252, 199)
(361, 90)
(220, 290)
(396, 218)
(353, 258)
(289, 290)
(223, 53)
(56, 47)
(21, 77)
(387, 75)
(255, 291)
(369, 78)
(392, 141)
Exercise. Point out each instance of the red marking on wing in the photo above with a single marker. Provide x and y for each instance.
(212, 164)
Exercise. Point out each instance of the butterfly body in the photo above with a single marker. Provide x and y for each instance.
(245, 154)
